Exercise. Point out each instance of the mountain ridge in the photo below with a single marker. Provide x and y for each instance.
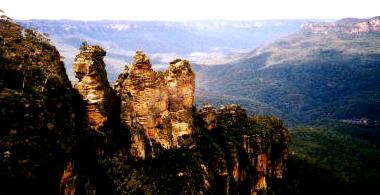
(197, 41)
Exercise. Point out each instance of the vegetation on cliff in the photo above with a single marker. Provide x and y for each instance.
(38, 113)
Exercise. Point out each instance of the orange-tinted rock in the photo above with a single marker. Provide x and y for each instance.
(68, 180)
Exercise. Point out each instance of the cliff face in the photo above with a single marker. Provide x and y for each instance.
(160, 102)
(345, 26)
(372, 25)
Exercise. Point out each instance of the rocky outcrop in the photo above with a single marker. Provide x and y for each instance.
(257, 153)
(93, 86)
(209, 116)
(348, 25)
(160, 102)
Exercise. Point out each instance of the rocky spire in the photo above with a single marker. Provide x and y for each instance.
(160, 102)
(180, 84)
(93, 85)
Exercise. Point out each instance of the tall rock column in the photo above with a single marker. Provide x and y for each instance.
(144, 105)
(159, 102)
(180, 83)
(93, 86)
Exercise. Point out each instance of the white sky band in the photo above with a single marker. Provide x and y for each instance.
(189, 9)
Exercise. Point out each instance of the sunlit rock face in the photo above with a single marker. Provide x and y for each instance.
(93, 85)
(161, 102)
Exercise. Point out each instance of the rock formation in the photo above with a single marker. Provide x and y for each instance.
(179, 80)
(209, 116)
(258, 158)
(160, 102)
(93, 85)
(59, 140)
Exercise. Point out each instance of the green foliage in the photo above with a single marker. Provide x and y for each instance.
(353, 161)
(174, 171)
(306, 176)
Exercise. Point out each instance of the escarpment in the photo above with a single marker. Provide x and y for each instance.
(143, 136)
(348, 25)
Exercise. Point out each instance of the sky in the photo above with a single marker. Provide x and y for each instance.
(175, 10)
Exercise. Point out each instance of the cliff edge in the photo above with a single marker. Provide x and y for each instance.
(347, 25)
